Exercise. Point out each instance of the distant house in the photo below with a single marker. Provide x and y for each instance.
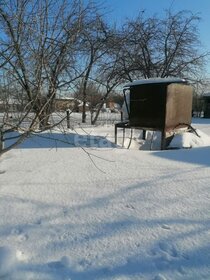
(206, 105)
(113, 106)
(80, 107)
(10, 105)
(65, 103)
(110, 106)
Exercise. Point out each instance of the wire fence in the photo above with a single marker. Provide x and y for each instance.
(75, 119)
(59, 119)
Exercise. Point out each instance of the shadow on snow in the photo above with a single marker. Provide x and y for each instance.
(200, 155)
(163, 255)
(59, 140)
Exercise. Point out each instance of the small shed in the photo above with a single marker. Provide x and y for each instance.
(162, 104)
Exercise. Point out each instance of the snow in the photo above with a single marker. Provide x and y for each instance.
(92, 210)
(155, 81)
(190, 140)
(7, 260)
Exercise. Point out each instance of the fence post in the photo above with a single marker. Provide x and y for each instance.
(1, 141)
(121, 116)
(68, 118)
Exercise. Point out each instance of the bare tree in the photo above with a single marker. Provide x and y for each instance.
(101, 56)
(38, 46)
(94, 38)
(161, 47)
(109, 80)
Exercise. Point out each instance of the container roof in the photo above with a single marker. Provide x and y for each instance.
(155, 81)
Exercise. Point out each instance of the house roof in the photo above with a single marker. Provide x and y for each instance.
(155, 81)
(68, 98)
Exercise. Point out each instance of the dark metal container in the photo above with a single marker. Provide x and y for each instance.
(159, 104)
(206, 105)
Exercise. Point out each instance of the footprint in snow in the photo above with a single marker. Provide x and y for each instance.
(20, 235)
(59, 265)
(38, 222)
(65, 236)
(165, 255)
(168, 249)
(16, 231)
(84, 264)
(185, 256)
(65, 211)
(130, 206)
(23, 237)
(166, 227)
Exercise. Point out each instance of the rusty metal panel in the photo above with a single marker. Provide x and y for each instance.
(147, 105)
(178, 105)
(160, 106)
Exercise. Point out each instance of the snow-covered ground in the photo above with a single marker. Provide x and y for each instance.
(83, 209)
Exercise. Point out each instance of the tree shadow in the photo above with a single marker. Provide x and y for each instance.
(199, 156)
(52, 140)
(200, 121)
(105, 237)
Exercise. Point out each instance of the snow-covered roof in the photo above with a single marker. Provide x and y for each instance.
(155, 81)
(65, 98)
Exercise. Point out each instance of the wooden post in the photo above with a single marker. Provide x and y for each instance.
(1, 141)
(68, 118)
(121, 115)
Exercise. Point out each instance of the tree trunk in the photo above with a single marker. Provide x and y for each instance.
(84, 109)
(43, 109)
(100, 107)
